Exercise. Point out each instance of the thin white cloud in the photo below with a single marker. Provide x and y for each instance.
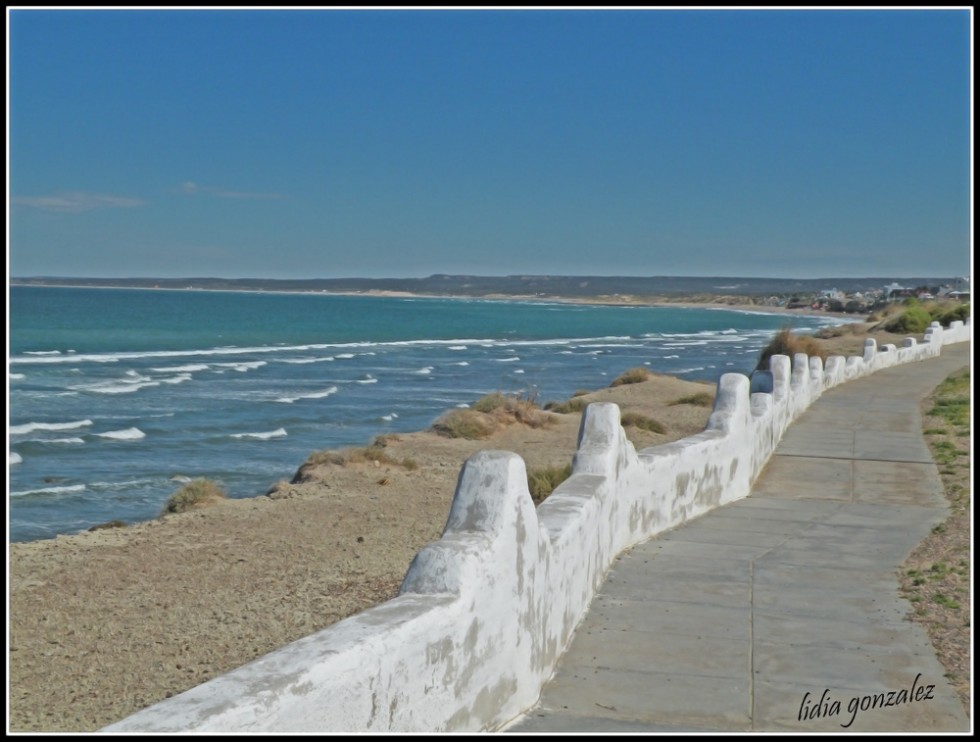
(191, 188)
(75, 202)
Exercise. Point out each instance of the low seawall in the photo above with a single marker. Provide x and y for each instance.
(485, 612)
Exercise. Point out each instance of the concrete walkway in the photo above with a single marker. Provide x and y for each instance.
(780, 612)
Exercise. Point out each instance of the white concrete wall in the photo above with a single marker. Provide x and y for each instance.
(485, 612)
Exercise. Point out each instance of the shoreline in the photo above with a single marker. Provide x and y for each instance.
(621, 301)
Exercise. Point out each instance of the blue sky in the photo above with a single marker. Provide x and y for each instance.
(283, 144)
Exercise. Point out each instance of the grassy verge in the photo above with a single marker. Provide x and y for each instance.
(936, 579)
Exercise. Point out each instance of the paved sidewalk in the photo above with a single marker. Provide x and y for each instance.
(780, 612)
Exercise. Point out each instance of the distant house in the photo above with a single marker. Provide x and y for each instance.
(894, 290)
(960, 291)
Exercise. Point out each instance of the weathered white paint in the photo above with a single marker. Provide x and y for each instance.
(485, 612)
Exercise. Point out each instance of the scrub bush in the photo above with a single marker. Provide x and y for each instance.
(198, 493)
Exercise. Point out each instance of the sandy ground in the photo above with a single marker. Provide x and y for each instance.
(105, 623)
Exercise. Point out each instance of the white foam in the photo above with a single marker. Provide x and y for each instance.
(612, 345)
(31, 427)
(368, 379)
(278, 433)
(458, 347)
(718, 335)
(508, 360)
(242, 367)
(62, 441)
(51, 490)
(186, 369)
(425, 371)
(179, 379)
(307, 360)
(124, 386)
(13, 458)
(462, 363)
(15, 377)
(313, 395)
(42, 352)
(519, 371)
(129, 434)
(118, 486)
(42, 357)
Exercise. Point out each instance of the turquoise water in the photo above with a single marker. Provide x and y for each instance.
(114, 392)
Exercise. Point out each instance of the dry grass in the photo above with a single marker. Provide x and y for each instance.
(575, 404)
(490, 414)
(374, 454)
(198, 493)
(889, 310)
(636, 420)
(785, 343)
(631, 376)
(701, 399)
(471, 425)
(836, 331)
(542, 482)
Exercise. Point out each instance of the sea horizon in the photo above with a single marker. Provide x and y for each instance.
(470, 285)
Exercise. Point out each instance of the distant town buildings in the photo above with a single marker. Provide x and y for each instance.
(834, 300)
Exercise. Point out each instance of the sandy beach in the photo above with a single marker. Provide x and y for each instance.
(104, 623)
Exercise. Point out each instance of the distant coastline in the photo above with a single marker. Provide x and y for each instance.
(701, 300)
(751, 294)
(611, 288)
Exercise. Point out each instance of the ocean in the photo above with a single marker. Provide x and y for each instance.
(115, 394)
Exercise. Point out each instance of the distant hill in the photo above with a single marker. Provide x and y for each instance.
(518, 285)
